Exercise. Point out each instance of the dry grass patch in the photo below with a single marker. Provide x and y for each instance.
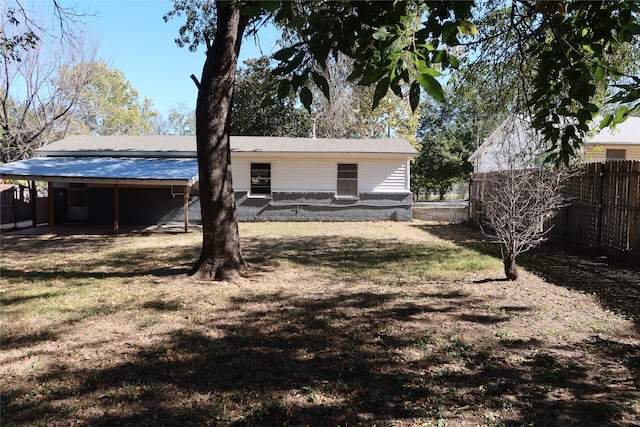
(336, 324)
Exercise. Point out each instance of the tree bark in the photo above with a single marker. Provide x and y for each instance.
(221, 257)
(510, 268)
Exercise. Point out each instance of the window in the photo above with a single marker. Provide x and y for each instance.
(260, 178)
(615, 154)
(347, 179)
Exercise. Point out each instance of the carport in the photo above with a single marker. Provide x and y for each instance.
(179, 173)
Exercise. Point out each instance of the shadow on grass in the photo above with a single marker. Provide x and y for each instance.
(361, 357)
(617, 286)
(324, 362)
(118, 264)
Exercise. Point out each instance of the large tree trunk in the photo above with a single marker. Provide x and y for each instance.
(221, 257)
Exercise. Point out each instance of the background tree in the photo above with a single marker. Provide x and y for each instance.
(109, 104)
(37, 99)
(347, 112)
(448, 134)
(254, 83)
(180, 120)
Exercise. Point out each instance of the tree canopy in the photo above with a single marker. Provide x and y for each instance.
(571, 49)
(36, 100)
(255, 82)
(109, 104)
(448, 134)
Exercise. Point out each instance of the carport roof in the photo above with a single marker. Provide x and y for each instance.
(106, 170)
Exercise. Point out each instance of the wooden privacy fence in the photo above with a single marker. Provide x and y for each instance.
(603, 214)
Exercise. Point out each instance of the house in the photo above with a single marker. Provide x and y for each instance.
(138, 180)
(513, 145)
(619, 143)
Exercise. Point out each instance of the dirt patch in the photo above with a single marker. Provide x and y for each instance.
(397, 324)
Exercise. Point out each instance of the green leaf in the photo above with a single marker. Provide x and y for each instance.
(449, 30)
(414, 95)
(270, 5)
(431, 86)
(284, 11)
(592, 107)
(440, 56)
(468, 28)
(428, 46)
(284, 54)
(306, 98)
(454, 61)
(284, 87)
(321, 82)
(381, 90)
(267, 102)
(381, 34)
(606, 121)
(583, 115)
(370, 76)
(599, 74)
(621, 115)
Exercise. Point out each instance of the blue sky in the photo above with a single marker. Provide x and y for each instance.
(134, 39)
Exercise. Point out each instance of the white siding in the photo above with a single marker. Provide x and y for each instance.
(241, 173)
(304, 175)
(597, 152)
(388, 176)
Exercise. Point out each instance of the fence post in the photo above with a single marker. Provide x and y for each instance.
(634, 236)
(600, 208)
(469, 205)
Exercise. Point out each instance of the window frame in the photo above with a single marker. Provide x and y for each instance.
(260, 186)
(347, 181)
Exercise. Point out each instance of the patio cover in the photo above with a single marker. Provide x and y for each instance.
(106, 170)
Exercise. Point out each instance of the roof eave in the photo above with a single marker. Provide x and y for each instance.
(111, 181)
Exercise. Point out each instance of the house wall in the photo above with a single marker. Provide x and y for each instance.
(301, 190)
(321, 174)
(511, 146)
(597, 152)
(311, 206)
(304, 189)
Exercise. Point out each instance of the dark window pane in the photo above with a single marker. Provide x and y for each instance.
(261, 178)
(347, 179)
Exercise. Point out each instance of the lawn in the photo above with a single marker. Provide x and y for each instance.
(336, 324)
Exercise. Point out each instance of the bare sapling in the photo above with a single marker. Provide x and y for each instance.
(521, 197)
